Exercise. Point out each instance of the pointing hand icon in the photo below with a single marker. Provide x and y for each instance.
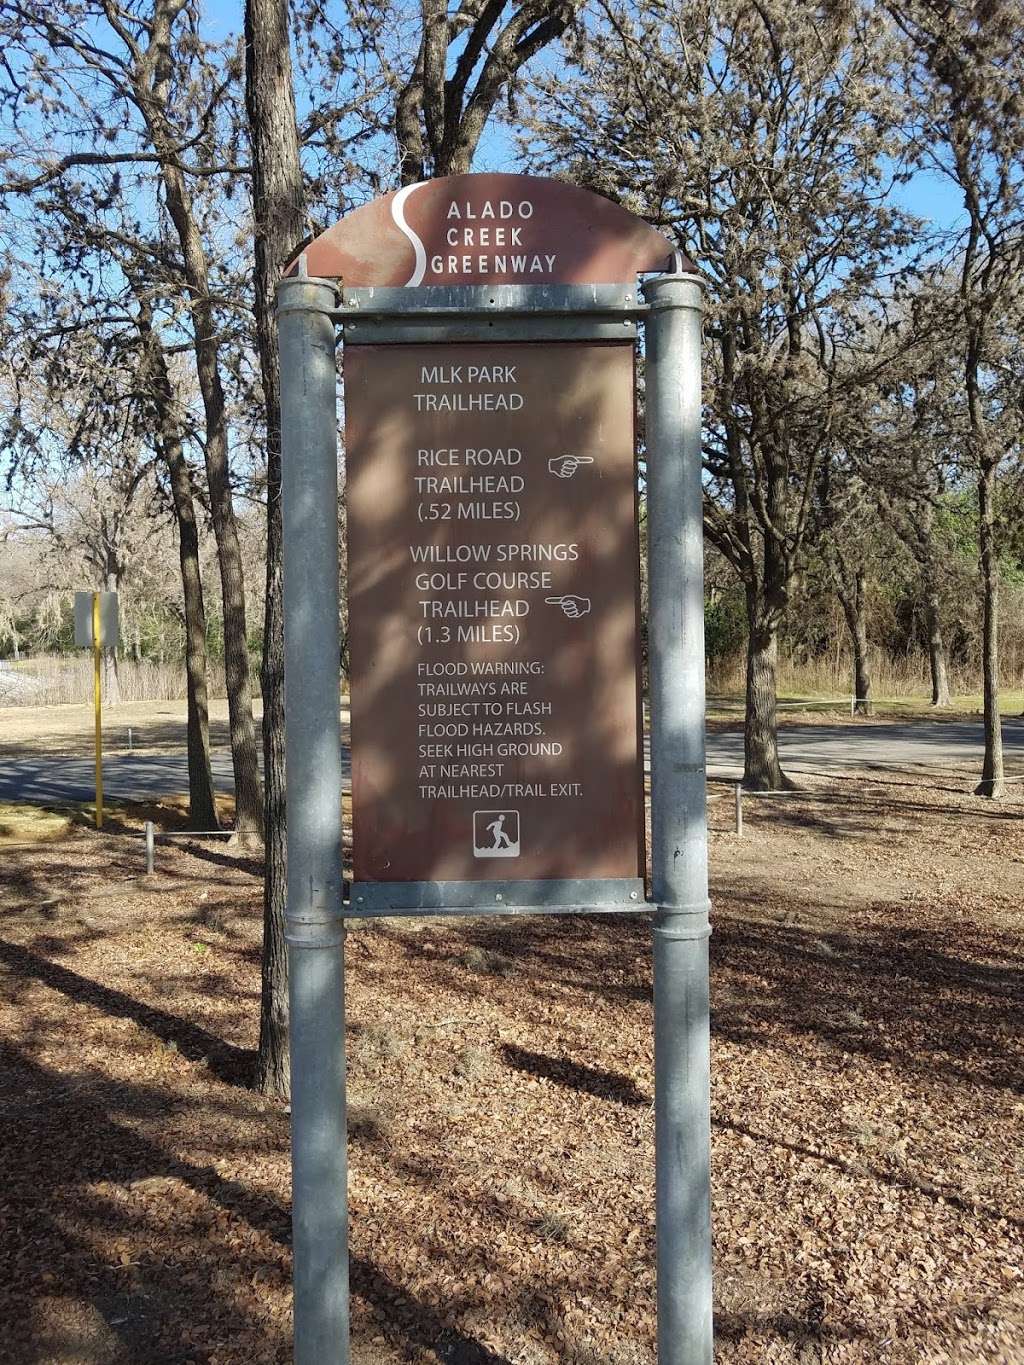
(565, 466)
(573, 607)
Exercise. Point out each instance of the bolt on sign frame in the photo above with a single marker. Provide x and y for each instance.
(493, 579)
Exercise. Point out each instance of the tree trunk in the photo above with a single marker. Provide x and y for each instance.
(157, 66)
(438, 119)
(761, 768)
(936, 648)
(248, 797)
(202, 801)
(279, 217)
(853, 610)
(991, 783)
(111, 678)
(111, 672)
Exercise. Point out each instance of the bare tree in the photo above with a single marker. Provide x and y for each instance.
(466, 62)
(84, 472)
(84, 249)
(845, 539)
(438, 121)
(167, 440)
(907, 451)
(769, 165)
(278, 212)
(964, 74)
(138, 88)
(91, 520)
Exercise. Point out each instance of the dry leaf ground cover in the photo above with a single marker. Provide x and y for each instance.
(866, 1107)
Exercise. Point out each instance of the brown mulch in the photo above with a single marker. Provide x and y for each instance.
(869, 1186)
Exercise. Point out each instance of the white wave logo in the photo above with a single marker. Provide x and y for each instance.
(398, 214)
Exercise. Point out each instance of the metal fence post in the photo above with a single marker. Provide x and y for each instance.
(739, 808)
(149, 847)
(314, 926)
(679, 820)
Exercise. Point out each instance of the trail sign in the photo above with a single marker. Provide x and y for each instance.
(493, 553)
(493, 610)
(108, 624)
(488, 229)
(489, 326)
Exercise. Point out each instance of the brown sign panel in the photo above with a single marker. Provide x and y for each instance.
(488, 229)
(493, 611)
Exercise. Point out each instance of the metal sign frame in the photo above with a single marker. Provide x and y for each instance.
(487, 314)
(309, 311)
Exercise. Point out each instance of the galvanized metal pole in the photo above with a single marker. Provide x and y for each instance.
(150, 847)
(309, 438)
(679, 820)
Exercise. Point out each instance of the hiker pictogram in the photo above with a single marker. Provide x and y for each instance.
(496, 834)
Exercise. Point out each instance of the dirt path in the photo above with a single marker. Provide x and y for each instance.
(869, 1190)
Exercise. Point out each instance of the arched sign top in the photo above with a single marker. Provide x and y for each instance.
(488, 229)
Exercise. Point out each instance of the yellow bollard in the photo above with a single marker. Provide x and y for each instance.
(97, 705)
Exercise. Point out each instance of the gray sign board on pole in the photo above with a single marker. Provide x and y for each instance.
(108, 620)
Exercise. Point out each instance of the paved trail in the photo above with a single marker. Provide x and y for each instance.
(891, 745)
(894, 746)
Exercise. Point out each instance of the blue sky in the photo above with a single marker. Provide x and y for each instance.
(928, 195)
(933, 197)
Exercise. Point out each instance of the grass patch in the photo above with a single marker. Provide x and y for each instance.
(485, 961)
(724, 706)
(552, 1227)
(169, 812)
(471, 1062)
(25, 824)
(367, 1125)
(376, 1041)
